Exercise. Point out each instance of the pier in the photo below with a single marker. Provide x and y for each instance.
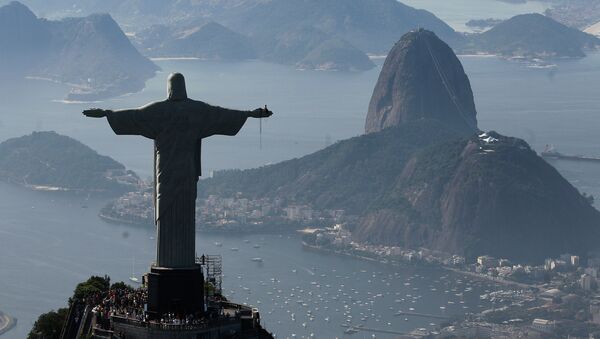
(421, 315)
(375, 330)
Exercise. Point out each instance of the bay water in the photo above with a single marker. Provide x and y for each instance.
(50, 242)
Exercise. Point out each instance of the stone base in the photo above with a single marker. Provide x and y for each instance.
(179, 291)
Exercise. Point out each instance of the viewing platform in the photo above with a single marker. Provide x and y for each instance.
(122, 313)
(234, 321)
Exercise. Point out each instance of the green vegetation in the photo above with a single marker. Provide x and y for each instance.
(50, 159)
(92, 287)
(349, 175)
(336, 54)
(209, 41)
(49, 325)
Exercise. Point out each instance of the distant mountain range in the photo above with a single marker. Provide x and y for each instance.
(428, 179)
(91, 54)
(313, 34)
(371, 25)
(330, 34)
(310, 34)
(49, 161)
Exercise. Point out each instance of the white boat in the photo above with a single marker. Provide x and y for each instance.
(257, 259)
(133, 278)
(351, 330)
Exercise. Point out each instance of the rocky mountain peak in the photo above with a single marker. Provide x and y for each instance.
(422, 79)
(16, 10)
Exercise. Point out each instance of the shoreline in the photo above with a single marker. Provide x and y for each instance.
(454, 270)
(7, 322)
(267, 229)
(380, 260)
(121, 221)
(82, 94)
(383, 261)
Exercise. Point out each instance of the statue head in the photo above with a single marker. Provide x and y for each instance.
(176, 87)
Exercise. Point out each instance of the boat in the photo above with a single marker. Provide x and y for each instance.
(133, 278)
(351, 330)
(540, 64)
(551, 153)
(235, 249)
(257, 259)
(218, 244)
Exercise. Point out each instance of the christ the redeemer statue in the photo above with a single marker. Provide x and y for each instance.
(177, 126)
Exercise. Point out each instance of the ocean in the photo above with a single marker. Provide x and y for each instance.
(50, 242)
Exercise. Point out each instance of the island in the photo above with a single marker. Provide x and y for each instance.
(531, 36)
(48, 161)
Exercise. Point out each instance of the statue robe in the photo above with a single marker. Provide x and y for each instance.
(177, 128)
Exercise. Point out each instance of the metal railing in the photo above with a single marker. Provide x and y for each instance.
(209, 323)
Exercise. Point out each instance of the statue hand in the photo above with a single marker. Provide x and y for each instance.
(261, 113)
(95, 113)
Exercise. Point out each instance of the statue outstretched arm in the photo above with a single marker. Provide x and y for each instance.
(138, 121)
(96, 113)
(224, 121)
(260, 113)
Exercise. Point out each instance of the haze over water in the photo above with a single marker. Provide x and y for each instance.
(48, 243)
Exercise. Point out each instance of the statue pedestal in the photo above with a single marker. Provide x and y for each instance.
(175, 290)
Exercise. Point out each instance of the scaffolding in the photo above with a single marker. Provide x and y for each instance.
(213, 271)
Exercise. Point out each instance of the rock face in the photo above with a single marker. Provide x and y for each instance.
(422, 79)
(490, 194)
(92, 53)
(48, 160)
